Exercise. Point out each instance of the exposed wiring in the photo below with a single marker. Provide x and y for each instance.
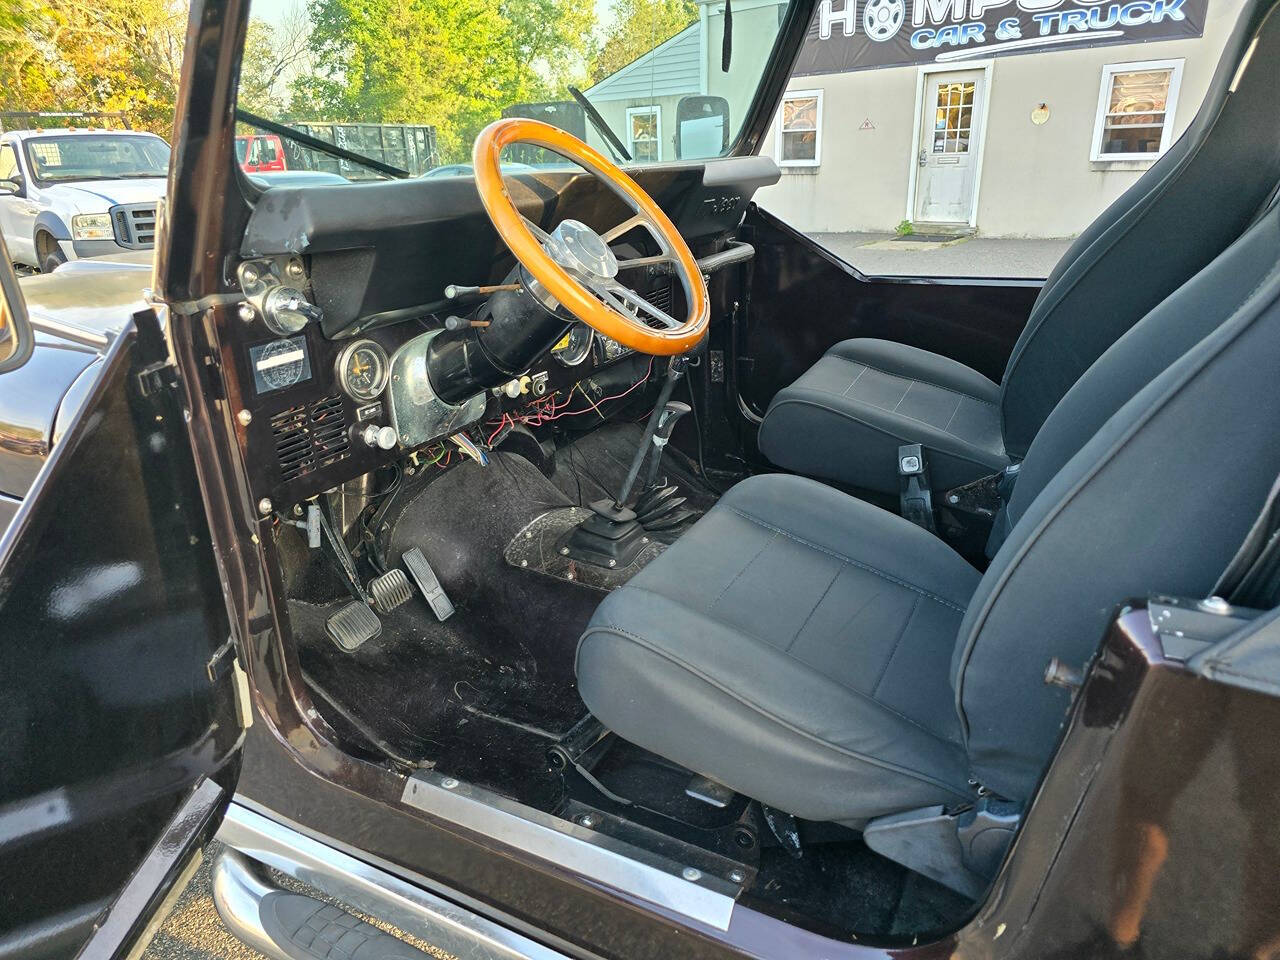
(506, 418)
(468, 446)
(546, 409)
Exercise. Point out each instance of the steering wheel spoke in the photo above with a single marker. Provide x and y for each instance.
(541, 235)
(623, 298)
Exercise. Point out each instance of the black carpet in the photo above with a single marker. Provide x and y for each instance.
(484, 693)
(847, 890)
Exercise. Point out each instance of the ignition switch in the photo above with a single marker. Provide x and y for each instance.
(286, 311)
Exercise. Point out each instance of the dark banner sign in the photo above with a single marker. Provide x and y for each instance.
(863, 34)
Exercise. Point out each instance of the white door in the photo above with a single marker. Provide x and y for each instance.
(17, 213)
(950, 131)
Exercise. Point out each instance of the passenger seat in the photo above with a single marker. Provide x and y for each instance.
(844, 419)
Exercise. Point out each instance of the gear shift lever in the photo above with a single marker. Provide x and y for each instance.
(611, 536)
(671, 412)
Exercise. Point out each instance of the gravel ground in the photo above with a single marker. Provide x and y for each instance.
(194, 931)
(879, 253)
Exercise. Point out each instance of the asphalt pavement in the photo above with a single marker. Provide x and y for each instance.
(883, 254)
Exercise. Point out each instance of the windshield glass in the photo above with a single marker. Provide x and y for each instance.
(97, 157)
(410, 85)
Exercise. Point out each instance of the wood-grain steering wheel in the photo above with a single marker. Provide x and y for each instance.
(574, 263)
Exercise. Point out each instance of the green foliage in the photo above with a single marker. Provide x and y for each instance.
(905, 229)
(450, 63)
(639, 26)
(122, 55)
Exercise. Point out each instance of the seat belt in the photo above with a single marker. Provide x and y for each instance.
(915, 496)
(1252, 578)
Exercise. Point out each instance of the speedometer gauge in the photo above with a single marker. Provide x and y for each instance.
(574, 346)
(362, 370)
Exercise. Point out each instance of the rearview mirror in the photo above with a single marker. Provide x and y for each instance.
(12, 187)
(16, 336)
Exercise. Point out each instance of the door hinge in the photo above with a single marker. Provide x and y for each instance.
(158, 376)
(220, 661)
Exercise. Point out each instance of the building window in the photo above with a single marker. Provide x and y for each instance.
(644, 134)
(1135, 110)
(800, 129)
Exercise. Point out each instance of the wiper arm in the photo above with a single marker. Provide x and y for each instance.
(315, 143)
(597, 121)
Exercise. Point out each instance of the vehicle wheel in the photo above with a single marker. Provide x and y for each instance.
(52, 258)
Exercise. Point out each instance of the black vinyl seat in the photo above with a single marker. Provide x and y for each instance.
(832, 660)
(844, 419)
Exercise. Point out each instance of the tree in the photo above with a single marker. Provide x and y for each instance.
(453, 64)
(273, 56)
(107, 55)
(638, 27)
(124, 55)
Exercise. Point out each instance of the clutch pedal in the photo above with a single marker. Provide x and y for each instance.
(390, 590)
(352, 626)
(428, 583)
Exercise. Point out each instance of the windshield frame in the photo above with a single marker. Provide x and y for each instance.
(27, 143)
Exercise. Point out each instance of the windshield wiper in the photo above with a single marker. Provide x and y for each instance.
(280, 130)
(602, 128)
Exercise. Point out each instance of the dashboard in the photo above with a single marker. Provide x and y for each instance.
(325, 361)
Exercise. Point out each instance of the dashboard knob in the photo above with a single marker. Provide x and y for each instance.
(382, 437)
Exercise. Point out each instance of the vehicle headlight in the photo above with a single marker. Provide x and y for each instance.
(92, 226)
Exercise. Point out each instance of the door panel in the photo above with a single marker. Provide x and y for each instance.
(951, 128)
(117, 702)
(17, 214)
(804, 299)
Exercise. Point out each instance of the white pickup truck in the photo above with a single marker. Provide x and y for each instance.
(69, 194)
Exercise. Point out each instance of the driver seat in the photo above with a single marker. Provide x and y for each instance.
(836, 662)
(844, 419)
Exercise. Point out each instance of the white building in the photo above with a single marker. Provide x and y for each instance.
(1008, 117)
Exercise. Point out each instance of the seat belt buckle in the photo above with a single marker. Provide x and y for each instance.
(915, 497)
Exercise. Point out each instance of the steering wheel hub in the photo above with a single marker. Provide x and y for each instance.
(581, 250)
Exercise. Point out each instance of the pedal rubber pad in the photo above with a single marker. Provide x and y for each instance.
(353, 625)
(390, 590)
(428, 583)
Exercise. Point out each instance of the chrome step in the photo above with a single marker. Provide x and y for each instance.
(292, 926)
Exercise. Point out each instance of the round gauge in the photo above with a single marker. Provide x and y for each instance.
(362, 369)
(574, 346)
(281, 363)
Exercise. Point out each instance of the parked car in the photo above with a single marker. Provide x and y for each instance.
(592, 565)
(67, 194)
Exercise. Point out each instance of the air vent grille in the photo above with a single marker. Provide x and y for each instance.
(308, 438)
(660, 297)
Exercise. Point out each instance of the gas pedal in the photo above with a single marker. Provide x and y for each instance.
(428, 583)
(390, 590)
(352, 626)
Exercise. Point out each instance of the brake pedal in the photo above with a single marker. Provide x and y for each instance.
(428, 583)
(352, 626)
(390, 590)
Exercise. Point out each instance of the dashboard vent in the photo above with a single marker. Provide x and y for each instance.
(310, 437)
(660, 297)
